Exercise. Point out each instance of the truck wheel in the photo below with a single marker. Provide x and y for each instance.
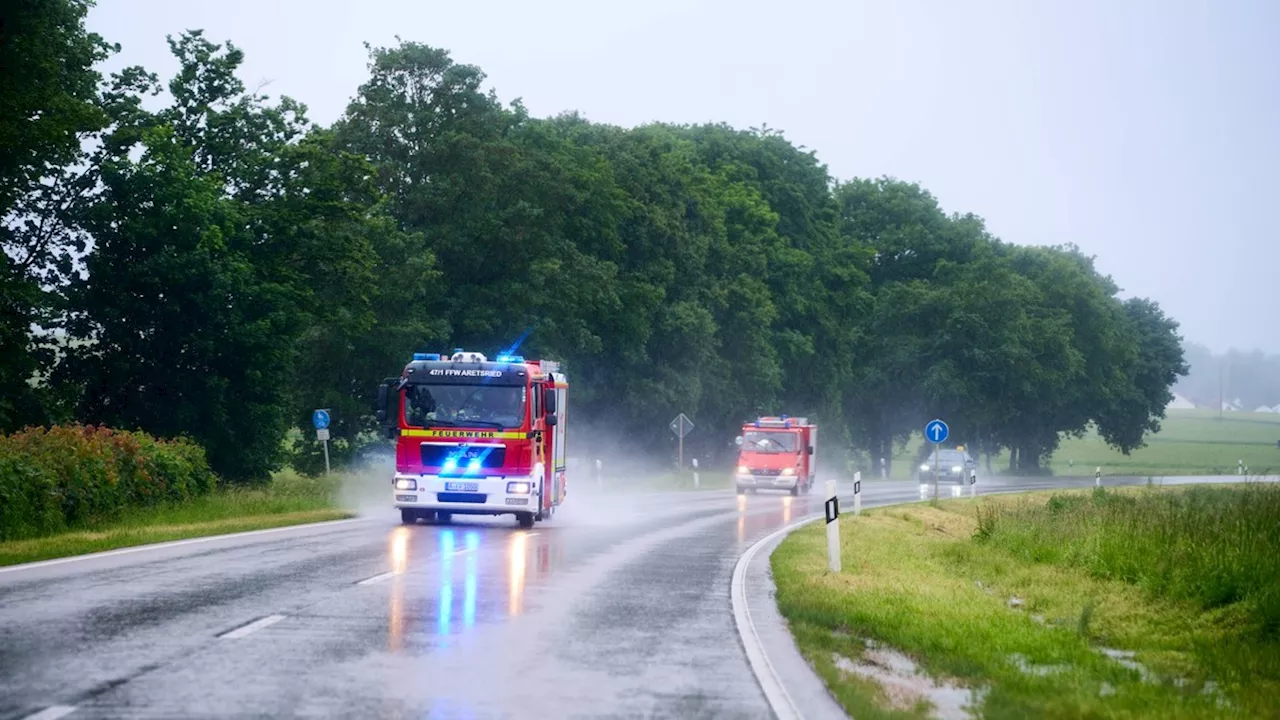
(742, 491)
(795, 490)
(408, 516)
(525, 520)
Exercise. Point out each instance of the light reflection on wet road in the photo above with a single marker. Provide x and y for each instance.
(619, 607)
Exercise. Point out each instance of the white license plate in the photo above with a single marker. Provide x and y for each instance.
(406, 498)
(461, 486)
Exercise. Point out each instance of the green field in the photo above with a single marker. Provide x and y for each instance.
(1131, 603)
(1190, 442)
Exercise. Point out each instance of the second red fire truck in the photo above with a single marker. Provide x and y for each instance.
(777, 453)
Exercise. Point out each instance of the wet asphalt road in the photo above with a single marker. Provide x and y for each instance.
(617, 607)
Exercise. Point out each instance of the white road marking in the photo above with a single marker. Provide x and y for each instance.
(774, 691)
(376, 578)
(252, 627)
(52, 712)
(177, 543)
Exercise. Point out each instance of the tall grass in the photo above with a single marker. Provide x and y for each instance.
(1215, 546)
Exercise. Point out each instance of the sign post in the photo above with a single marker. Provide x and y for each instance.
(937, 433)
(320, 419)
(681, 426)
(832, 511)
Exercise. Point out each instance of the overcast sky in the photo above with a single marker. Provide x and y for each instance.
(1143, 131)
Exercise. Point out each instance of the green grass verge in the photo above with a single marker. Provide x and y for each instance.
(290, 499)
(1018, 595)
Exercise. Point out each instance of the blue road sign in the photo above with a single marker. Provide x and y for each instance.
(936, 432)
(320, 419)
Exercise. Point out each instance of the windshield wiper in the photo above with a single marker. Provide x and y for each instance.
(465, 423)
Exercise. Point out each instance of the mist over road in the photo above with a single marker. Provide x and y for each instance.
(619, 606)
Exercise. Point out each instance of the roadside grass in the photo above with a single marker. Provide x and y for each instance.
(290, 499)
(1017, 597)
(1190, 442)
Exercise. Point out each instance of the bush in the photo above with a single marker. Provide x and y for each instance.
(76, 475)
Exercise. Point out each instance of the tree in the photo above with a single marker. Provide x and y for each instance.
(217, 251)
(50, 104)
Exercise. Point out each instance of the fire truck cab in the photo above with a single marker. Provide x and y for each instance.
(476, 437)
(778, 453)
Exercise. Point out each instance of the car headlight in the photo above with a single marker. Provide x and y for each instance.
(956, 468)
(519, 487)
(924, 467)
(406, 484)
(744, 470)
(788, 471)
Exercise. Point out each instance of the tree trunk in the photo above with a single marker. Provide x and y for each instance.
(1013, 459)
(1029, 458)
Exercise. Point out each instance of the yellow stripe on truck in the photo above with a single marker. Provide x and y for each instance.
(465, 434)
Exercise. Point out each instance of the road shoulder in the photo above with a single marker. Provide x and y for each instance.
(791, 686)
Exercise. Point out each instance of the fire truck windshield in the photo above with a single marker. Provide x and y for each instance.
(769, 442)
(496, 406)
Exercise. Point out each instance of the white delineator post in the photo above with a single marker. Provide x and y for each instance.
(599, 474)
(857, 493)
(973, 483)
(695, 473)
(832, 510)
(1097, 477)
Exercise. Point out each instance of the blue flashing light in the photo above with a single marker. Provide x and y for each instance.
(504, 358)
(426, 356)
(474, 465)
(451, 463)
(757, 423)
(784, 416)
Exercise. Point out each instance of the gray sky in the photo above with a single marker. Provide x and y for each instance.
(1143, 131)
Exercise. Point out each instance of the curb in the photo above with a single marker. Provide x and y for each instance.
(780, 701)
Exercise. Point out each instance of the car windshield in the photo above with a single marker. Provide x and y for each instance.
(496, 406)
(947, 457)
(769, 442)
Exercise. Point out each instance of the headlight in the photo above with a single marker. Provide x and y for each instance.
(744, 470)
(924, 467)
(956, 468)
(788, 471)
(518, 488)
(406, 484)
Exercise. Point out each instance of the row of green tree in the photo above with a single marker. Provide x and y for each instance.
(214, 264)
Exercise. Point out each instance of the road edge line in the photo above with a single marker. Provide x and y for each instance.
(175, 543)
(775, 692)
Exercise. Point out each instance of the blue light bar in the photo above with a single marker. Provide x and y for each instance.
(474, 465)
(510, 358)
(451, 463)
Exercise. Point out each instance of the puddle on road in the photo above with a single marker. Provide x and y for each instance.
(905, 684)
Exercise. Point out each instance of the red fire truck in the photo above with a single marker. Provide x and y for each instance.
(476, 437)
(779, 453)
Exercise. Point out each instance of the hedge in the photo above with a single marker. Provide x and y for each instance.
(72, 476)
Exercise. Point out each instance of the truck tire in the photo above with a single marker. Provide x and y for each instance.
(525, 519)
(795, 490)
(742, 490)
(408, 516)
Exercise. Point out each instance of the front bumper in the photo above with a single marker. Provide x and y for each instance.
(466, 495)
(778, 482)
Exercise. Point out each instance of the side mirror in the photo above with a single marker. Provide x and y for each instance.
(552, 419)
(737, 440)
(549, 401)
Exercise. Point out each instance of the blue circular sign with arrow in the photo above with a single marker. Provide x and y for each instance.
(320, 418)
(936, 432)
